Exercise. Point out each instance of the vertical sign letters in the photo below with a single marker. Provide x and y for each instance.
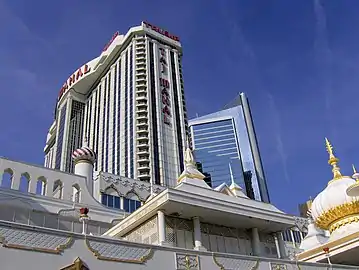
(164, 86)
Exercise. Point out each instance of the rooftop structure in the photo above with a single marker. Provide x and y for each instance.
(333, 228)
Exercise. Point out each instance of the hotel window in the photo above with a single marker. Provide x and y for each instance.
(111, 201)
(131, 203)
(60, 137)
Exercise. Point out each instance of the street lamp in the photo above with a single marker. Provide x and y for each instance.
(84, 218)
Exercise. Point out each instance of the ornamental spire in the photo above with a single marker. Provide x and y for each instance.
(333, 160)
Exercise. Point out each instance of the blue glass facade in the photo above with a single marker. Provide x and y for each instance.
(222, 138)
(216, 147)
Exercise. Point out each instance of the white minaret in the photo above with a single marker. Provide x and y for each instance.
(190, 173)
(234, 187)
(84, 159)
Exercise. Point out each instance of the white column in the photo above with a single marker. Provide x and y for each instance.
(292, 238)
(121, 202)
(85, 168)
(197, 234)
(277, 245)
(161, 228)
(15, 183)
(280, 245)
(256, 244)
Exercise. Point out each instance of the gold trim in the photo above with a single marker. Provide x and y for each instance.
(83, 161)
(344, 221)
(191, 176)
(333, 161)
(331, 245)
(142, 260)
(334, 217)
(57, 250)
(356, 184)
(221, 267)
(187, 259)
(78, 264)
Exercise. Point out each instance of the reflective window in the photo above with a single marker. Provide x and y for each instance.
(216, 149)
(111, 201)
(130, 205)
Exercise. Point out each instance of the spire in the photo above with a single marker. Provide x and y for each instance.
(234, 187)
(355, 174)
(333, 161)
(188, 155)
(190, 168)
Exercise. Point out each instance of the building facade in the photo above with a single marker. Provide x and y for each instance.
(225, 143)
(129, 105)
(41, 210)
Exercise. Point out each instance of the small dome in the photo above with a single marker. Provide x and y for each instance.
(84, 153)
(333, 204)
(333, 208)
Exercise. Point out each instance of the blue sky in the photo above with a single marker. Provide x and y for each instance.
(298, 62)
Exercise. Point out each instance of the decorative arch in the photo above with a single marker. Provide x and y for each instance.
(76, 193)
(132, 194)
(131, 201)
(24, 182)
(7, 178)
(41, 185)
(112, 190)
(57, 189)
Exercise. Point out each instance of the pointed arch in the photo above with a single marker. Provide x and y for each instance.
(41, 185)
(57, 189)
(132, 194)
(112, 190)
(131, 201)
(24, 182)
(76, 193)
(7, 178)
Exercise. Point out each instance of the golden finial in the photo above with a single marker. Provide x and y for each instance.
(333, 161)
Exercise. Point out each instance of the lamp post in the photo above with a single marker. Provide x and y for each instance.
(84, 218)
(326, 251)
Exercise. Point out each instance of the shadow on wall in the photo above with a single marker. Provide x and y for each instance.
(29, 211)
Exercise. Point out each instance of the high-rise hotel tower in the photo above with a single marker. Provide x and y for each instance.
(128, 105)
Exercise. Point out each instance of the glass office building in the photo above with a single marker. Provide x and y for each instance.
(226, 138)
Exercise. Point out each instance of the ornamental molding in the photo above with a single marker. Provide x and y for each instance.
(186, 261)
(118, 252)
(338, 216)
(123, 185)
(78, 264)
(302, 223)
(234, 263)
(34, 240)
